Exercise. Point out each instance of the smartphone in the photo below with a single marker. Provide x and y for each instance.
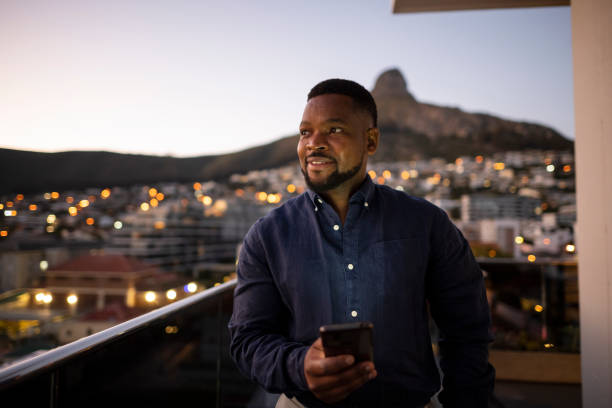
(348, 338)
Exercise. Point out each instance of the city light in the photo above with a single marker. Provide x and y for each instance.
(105, 193)
(1, 206)
(531, 258)
(72, 211)
(567, 168)
(154, 202)
(171, 294)
(47, 196)
(492, 253)
(414, 173)
(550, 168)
(274, 198)
(152, 192)
(191, 287)
(570, 248)
(150, 296)
(207, 200)
(171, 329)
(538, 308)
(9, 204)
(261, 196)
(549, 345)
(372, 174)
(405, 175)
(39, 297)
(50, 229)
(83, 203)
(380, 180)
(90, 221)
(144, 206)
(519, 240)
(499, 166)
(70, 200)
(479, 159)
(159, 225)
(32, 207)
(55, 195)
(118, 225)
(160, 196)
(51, 218)
(3, 233)
(291, 188)
(44, 265)
(19, 197)
(72, 299)
(386, 174)
(10, 213)
(197, 186)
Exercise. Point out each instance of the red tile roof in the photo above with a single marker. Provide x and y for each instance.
(103, 263)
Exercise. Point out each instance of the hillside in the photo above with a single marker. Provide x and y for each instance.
(409, 130)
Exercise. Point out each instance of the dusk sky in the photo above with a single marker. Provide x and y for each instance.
(189, 78)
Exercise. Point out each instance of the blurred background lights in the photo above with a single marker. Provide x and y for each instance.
(51, 218)
(72, 299)
(171, 294)
(150, 296)
(550, 168)
(191, 287)
(44, 265)
(118, 225)
(538, 308)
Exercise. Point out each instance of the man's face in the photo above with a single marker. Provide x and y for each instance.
(336, 138)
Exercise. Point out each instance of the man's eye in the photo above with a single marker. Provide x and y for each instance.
(304, 132)
(335, 130)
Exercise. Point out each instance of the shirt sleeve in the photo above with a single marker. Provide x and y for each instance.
(458, 304)
(259, 324)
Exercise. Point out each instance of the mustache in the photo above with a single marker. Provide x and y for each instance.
(320, 154)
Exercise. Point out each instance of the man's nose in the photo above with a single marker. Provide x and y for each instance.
(318, 141)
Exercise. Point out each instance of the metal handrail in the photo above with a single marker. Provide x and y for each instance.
(60, 354)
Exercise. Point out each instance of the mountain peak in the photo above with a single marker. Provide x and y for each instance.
(391, 83)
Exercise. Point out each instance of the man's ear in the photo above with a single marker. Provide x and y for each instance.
(372, 141)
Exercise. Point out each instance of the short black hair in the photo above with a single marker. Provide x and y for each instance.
(361, 96)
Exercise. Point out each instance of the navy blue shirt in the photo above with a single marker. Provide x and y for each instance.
(396, 255)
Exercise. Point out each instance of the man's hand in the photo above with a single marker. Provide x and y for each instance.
(332, 379)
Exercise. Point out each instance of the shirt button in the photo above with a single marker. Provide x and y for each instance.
(354, 313)
(365, 204)
(351, 267)
(336, 227)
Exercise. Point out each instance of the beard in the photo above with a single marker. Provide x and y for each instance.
(332, 181)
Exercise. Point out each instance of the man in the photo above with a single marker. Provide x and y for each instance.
(348, 250)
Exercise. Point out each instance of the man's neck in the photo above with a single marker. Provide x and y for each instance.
(339, 198)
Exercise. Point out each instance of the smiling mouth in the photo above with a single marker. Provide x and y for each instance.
(317, 161)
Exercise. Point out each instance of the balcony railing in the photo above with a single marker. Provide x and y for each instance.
(173, 356)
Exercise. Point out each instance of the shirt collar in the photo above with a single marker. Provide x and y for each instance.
(364, 194)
